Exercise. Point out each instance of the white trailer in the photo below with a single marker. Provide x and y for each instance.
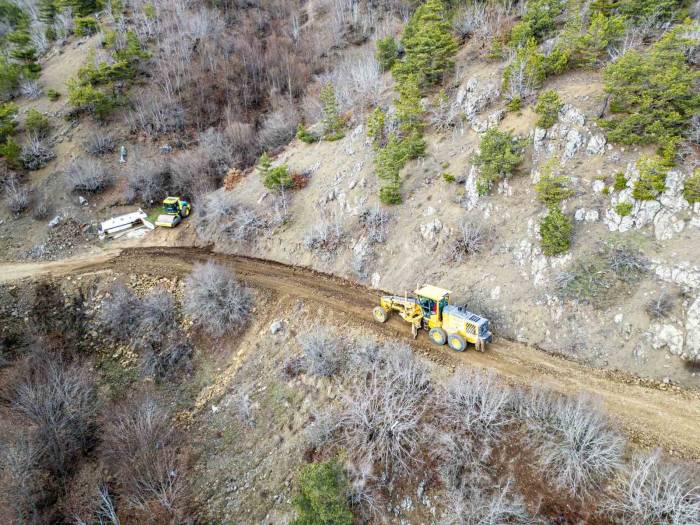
(117, 226)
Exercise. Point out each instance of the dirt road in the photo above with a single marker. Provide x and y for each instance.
(652, 415)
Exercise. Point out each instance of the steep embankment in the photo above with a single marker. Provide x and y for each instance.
(652, 414)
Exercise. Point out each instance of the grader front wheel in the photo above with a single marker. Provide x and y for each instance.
(380, 314)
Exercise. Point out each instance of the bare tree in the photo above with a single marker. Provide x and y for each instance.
(20, 478)
(119, 311)
(31, 89)
(217, 302)
(654, 491)
(375, 222)
(483, 507)
(99, 144)
(326, 233)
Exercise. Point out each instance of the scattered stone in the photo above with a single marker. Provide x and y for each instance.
(668, 336)
(574, 141)
(430, 230)
(55, 221)
(276, 327)
(596, 145)
(167, 148)
(82, 200)
(572, 115)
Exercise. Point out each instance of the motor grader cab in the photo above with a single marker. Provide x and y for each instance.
(174, 210)
(430, 309)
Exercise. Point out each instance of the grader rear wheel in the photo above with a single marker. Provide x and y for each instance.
(380, 314)
(457, 343)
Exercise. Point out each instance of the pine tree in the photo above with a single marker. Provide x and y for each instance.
(408, 106)
(556, 230)
(429, 44)
(332, 123)
(47, 11)
(376, 123)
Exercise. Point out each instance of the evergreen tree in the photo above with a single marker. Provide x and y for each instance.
(332, 123)
(376, 123)
(429, 44)
(321, 499)
(387, 52)
(47, 11)
(556, 230)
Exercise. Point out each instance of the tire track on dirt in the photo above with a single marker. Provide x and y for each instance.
(649, 415)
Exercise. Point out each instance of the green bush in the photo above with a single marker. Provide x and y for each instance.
(623, 209)
(641, 9)
(8, 120)
(500, 153)
(322, 496)
(81, 7)
(691, 188)
(388, 162)
(540, 16)
(652, 178)
(305, 136)
(556, 230)
(53, 95)
(652, 93)
(620, 181)
(448, 177)
(11, 151)
(552, 189)
(390, 194)
(514, 104)
(376, 124)
(409, 111)
(85, 25)
(274, 178)
(88, 98)
(430, 47)
(547, 107)
(387, 52)
(37, 124)
(527, 70)
(332, 122)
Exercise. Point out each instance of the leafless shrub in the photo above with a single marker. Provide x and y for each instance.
(653, 491)
(64, 24)
(88, 498)
(244, 409)
(242, 142)
(293, 367)
(323, 352)
(576, 447)
(155, 115)
(482, 507)
(35, 154)
(357, 80)
(463, 460)
(383, 419)
(191, 173)
(364, 355)
(477, 403)
(660, 306)
(471, 238)
(321, 429)
(99, 144)
(31, 89)
(140, 445)
(41, 208)
(155, 320)
(217, 302)
(627, 263)
(119, 311)
(326, 233)
(20, 478)
(60, 401)
(215, 146)
(17, 197)
(147, 180)
(693, 130)
(362, 493)
(279, 127)
(85, 174)
(447, 113)
(375, 222)
(245, 225)
(481, 21)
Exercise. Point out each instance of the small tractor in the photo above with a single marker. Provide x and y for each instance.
(431, 310)
(174, 210)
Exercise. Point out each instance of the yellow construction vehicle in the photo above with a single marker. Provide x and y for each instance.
(174, 210)
(431, 310)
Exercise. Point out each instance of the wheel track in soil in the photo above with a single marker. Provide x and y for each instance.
(651, 414)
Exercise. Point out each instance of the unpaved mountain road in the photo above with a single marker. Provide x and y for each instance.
(651, 415)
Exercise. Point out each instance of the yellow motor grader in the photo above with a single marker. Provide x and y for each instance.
(430, 309)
